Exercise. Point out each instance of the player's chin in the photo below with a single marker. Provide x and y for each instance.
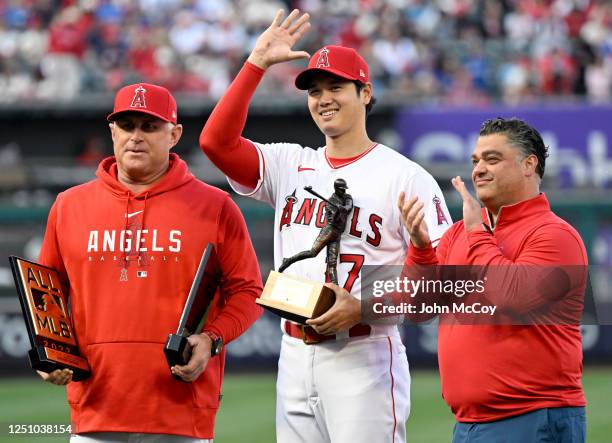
(329, 129)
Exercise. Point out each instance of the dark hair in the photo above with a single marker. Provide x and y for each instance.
(521, 135)
(370, 105)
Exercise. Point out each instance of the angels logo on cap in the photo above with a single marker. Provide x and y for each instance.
(139, 98)
(146, 98)
(323, 60)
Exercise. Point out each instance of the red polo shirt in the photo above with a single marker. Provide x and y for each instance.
(491, 372)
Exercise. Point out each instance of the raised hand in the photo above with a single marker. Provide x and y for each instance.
(414, 220)
(275, 44)
(472, 212)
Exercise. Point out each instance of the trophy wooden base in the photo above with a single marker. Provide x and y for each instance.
(48, 360)
(294, 298)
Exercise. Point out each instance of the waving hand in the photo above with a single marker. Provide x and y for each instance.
(275, 44)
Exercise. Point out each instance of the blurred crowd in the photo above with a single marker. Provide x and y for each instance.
(441, 51)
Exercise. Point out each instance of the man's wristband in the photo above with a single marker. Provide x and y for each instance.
(216, 343)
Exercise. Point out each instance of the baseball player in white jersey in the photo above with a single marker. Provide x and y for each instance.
(339, 380)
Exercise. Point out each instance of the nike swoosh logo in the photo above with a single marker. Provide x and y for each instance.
(300, 169)
(133, 214)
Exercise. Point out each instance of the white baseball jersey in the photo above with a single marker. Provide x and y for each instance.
(374, 234)
(357, 390)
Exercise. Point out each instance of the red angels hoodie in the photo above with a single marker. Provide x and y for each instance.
(128, 262)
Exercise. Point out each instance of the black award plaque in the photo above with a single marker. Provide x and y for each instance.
(193, 318)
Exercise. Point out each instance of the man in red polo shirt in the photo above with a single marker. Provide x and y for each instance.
(508, 382)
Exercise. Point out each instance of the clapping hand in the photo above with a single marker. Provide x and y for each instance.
(414, 220)
(472, 212)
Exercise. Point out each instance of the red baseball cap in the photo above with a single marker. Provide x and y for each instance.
(145, 97)
(338, 60)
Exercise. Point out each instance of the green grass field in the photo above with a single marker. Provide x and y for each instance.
(247, 412)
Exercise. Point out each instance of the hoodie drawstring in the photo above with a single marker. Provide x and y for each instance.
(124, 261)
(144, 209)
(134, 249)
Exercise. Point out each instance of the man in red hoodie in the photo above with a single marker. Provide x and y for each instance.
(127, 246)
(510, 382)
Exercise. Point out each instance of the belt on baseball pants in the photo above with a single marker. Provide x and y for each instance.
(312, 337)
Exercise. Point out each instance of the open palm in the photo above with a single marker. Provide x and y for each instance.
(275, 44)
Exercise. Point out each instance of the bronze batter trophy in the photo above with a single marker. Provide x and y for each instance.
(45, 310)
(298, 299)
(195, 311)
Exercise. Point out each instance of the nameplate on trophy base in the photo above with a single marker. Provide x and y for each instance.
(45, 310)
(294, 298)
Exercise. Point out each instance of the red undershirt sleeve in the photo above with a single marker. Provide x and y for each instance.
(422, 264)
(221, 138)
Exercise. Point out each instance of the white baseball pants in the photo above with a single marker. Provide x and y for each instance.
(343, 391)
